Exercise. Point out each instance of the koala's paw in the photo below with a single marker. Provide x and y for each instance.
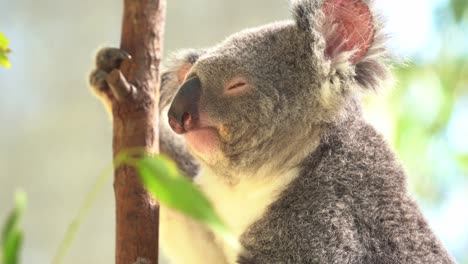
(106, 80)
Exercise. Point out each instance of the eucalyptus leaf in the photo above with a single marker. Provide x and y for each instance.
(4, 61)
(11, 247)
(4, 42)
(459, 8)
(12, 236)
(164, 181)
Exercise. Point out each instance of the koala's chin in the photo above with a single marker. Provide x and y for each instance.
(203, 143)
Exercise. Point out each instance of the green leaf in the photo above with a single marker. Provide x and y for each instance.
(12, 236)
(164, 181)
(458, 8)
(462, 162)
(4, 61)
(11, 247)
(4, 42)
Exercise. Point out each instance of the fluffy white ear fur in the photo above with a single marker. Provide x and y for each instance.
(175, 69)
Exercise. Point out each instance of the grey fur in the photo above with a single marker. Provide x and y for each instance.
(349, 203)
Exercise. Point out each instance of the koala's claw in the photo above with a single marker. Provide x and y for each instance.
(118, 84)
(97, 80)
(108, 60)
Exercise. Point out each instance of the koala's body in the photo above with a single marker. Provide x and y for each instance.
(270, 126)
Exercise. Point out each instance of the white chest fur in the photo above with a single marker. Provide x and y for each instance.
(242, 204)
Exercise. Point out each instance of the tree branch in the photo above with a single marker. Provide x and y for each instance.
(135, 120)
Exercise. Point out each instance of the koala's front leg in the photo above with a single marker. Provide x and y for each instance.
(172, 145)
(107, 59)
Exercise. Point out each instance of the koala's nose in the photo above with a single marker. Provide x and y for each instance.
(181, 125)
(183, 113)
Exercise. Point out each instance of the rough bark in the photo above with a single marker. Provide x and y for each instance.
(135, 121)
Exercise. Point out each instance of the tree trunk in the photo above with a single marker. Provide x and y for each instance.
(135, 120)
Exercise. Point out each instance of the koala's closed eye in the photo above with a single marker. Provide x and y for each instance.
(237, 85)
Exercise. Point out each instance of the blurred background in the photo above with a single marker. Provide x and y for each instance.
(55, 137)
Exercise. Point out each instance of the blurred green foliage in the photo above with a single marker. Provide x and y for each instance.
(459, 8)
(165, 182)
(12, 235)
(423, 105)
(4, 50)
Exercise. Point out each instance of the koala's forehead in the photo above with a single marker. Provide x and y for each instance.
(255, 45)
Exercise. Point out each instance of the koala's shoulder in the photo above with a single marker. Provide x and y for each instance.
(324, 209)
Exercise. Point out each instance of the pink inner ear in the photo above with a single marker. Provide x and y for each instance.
(183, 72)
(350, 27)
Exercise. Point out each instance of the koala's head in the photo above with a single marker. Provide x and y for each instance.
(263, 94)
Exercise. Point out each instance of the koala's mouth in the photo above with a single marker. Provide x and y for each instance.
(203, 140)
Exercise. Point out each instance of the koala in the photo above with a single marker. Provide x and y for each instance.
(269, 125)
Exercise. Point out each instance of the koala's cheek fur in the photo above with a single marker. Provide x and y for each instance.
(258, 121)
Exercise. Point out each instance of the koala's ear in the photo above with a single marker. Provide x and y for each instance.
(174, 72)
(344, 25)
(179, 64)
(346, 33)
